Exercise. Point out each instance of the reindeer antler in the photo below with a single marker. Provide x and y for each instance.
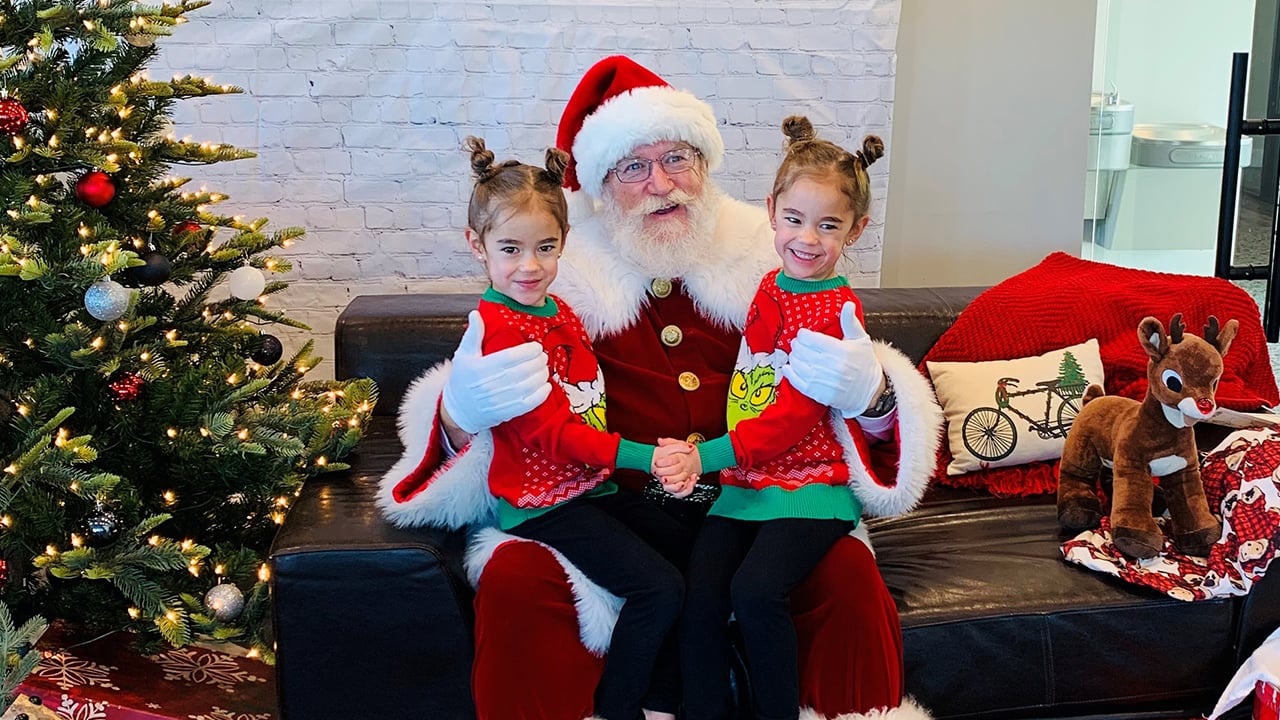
(1175, 329)
(1211, 331)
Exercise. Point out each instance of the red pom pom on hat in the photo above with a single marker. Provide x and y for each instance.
(620, 105)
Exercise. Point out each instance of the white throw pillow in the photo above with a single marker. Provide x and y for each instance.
(1009, 412)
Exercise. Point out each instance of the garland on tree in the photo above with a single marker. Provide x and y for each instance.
(151, 436)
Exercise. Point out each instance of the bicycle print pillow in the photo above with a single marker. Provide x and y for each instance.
(1008, 412)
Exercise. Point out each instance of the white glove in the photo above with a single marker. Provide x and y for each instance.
(487, 390)
(840, 373)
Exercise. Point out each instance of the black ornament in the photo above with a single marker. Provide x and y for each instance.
(155, 272)
(101, 527)
(269, 351)
(23, 649)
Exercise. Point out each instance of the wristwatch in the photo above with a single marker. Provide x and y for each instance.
(887, 401)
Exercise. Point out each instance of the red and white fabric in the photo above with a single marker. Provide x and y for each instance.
(1240, 483)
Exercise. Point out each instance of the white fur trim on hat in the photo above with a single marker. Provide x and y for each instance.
(638, 117)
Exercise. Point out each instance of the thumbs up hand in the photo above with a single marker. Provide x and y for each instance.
(842, 373)
(487, 390)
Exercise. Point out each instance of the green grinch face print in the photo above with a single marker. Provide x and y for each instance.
(750, 393)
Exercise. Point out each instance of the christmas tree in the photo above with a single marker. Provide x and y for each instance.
(152, 435)
(1071, 377)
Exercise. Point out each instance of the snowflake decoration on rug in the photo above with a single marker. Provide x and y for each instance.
(70, 671)
(204, 668)
(218, 713)
(90, 710)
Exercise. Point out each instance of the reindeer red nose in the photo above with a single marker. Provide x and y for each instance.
(1204, 405)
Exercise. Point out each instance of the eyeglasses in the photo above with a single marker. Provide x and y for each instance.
(674, 162)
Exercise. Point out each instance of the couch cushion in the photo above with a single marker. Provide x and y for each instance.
(996, 623)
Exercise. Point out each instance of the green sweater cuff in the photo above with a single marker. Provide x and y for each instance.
(635, 456)
(717, 454)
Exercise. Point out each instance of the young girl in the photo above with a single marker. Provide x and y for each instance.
(784, 499)
(550, 467)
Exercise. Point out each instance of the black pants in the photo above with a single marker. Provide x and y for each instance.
(596, 535)
(749, 569)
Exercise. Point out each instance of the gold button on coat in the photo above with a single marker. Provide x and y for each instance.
(689, 381)
(672, 335)
(695, 438)
(661, 287)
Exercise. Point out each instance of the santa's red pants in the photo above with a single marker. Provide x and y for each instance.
(530, 664)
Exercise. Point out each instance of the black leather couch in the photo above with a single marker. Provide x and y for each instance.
(375, 622)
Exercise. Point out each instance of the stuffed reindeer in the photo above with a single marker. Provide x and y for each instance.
(1154, 437)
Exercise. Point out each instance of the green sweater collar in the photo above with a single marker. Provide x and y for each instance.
(549, 309)
(791, 284)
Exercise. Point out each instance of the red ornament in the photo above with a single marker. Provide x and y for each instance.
(126, 387)
(13, 117)
(4, 573)
(95, 188)
(186, 226)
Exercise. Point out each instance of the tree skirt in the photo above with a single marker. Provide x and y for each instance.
(107, 680)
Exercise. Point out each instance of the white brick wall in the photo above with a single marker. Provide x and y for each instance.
(358, 108)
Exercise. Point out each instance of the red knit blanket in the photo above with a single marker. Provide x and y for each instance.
(1065, 300)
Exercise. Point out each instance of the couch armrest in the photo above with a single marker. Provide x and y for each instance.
(360, 604)
(394, 338)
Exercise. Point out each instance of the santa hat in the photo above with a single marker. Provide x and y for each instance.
(620, 105)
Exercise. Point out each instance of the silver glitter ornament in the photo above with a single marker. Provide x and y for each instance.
(225, 601)
(106, 300)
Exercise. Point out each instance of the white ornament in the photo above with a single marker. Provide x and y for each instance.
(106, 300)
(225, 601)
(247, 282)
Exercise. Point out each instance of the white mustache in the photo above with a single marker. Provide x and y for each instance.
(650, 204)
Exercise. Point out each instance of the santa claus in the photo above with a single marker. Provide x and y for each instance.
(661, 267)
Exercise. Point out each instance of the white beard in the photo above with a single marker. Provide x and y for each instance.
(674, 246)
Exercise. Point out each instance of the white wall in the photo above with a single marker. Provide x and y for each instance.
(1172, 58)
(991, 124)
(358, 109)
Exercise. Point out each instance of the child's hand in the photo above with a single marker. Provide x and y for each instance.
(675, 457)
(681, 489)
(677, 464)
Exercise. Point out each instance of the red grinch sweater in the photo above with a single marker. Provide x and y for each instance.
(789, 463)
(559, 450)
